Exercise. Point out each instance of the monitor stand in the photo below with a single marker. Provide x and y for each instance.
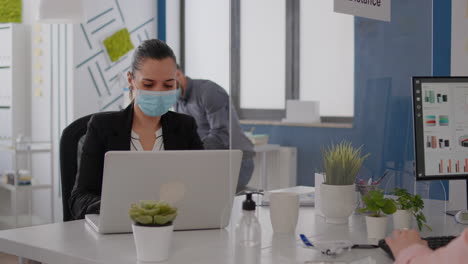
(454, 212)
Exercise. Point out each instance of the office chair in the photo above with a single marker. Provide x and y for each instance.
(71, 135)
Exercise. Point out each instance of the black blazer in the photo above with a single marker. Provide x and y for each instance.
(111, 131)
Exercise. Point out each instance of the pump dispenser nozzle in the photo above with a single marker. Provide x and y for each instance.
(248, 204)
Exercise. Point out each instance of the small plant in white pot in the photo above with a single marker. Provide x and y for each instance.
(342, 163)
(152, 229)
(379, 207)
(408, 206)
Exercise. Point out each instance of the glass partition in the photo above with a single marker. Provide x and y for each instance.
(375, 69)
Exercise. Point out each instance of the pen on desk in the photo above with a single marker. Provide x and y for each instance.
(305, 240)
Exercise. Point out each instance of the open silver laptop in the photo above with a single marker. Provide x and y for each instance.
(201, 184)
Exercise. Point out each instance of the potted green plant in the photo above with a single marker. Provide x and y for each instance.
(152, 229)
(408, 206)
(342, 163)
(378, 208)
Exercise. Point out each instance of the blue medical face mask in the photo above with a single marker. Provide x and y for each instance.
(156, 103)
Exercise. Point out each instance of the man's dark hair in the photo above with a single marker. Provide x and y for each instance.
(151, 49)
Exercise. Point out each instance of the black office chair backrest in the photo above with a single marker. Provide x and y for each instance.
(69, 160)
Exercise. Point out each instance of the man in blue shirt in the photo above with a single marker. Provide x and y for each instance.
(209, 104)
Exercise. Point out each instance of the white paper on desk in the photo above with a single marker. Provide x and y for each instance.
(306, 195)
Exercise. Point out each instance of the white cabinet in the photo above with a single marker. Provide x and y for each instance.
(15, 69)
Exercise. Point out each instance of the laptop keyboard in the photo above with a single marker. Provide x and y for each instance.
(432, 242)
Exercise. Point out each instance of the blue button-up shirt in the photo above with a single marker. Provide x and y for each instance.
(209, 104)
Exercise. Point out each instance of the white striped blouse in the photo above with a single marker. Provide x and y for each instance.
(135, 144)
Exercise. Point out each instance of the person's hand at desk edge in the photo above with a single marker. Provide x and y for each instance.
(408, 248)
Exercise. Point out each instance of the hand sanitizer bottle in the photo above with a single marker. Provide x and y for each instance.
(248, 234)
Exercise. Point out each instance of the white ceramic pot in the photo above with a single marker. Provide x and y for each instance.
(376, 227)
(152, 242)
(338, 202)
(402, 219)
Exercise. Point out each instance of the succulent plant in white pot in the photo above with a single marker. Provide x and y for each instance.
(342, 163)
(152, 229)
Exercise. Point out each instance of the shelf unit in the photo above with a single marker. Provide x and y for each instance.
(33, 186)
(28, 149)
(15, 120)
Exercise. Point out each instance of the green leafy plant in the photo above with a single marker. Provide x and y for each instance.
(152, 213)
(377, 204)
(342, 163)
(412, 203)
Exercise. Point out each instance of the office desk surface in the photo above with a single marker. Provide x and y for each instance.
(76, 242)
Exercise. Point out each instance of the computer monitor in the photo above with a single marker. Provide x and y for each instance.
(440, 111)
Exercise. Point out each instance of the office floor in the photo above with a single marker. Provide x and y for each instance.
(8, 259)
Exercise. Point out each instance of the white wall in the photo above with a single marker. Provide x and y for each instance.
(207, 40)
(105, 93)
(459, 67)
(327, 58)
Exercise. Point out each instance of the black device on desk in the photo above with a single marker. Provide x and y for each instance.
(440, 115)
(432, 242)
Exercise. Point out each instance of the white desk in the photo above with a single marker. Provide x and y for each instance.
(75, 242)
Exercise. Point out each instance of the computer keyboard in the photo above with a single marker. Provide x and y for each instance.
(432, 242)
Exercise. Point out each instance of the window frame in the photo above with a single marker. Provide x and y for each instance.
(292, 65)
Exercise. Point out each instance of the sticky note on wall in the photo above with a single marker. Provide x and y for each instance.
(38, 92)
(10, 11)
(118, 44)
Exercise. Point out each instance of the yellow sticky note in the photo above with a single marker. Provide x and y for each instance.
(38, 39)
(37, 27)
(38, 52)
(38, 65)
(38, 92)
(38, 79)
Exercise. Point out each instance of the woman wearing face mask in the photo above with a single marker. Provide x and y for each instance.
(146, 124)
